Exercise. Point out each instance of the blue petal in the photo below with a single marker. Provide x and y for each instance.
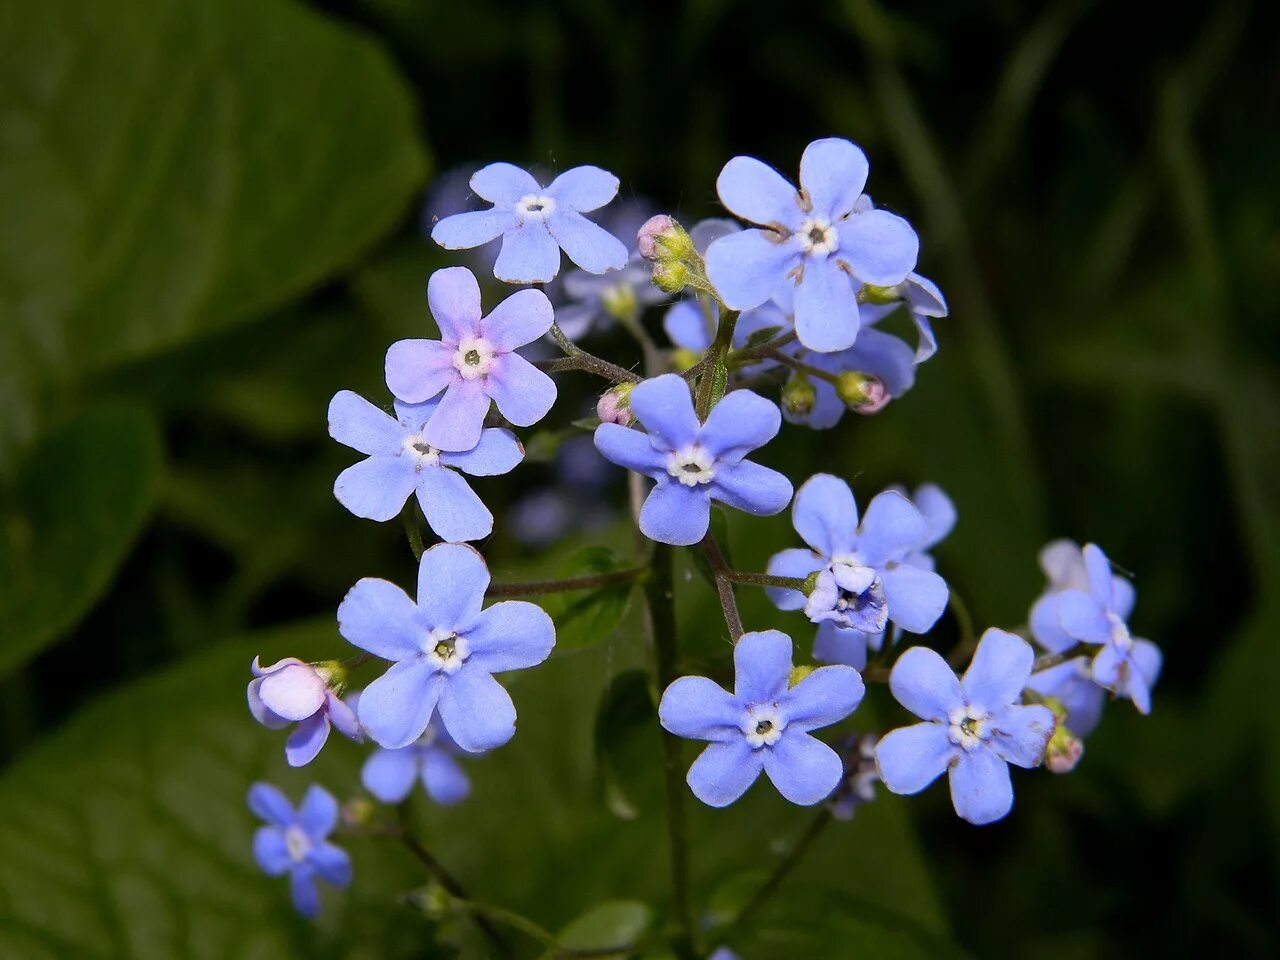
(836, 644)
(923, 683)
(762, 666)
(1046, 624)
(521, 318)
(705, 232)
(824, 697)
(476, 710)
(343, 717)
(451, 508)
(417, 370)
(756, 192)
(676, 514)
(738, 424)
(503, 183)
(826, 306)
(1122, 597)
(376, 488)
(396, 708)
(746, 268)
(723, 772)
(700, 709)
(924, 297)
(457, 422)
(833, 172)
(938, 511)
(522, 392)
(389, 774)
(804, 769)
(981, 790)
(794, 562)
(751, 488)
(1063, 564)
(318, 812)
(270, 851)
(304, 744)
(444, 779)
(302, 888)
(891, 528)
(688, 326)
(630, 449)
(1082, 618)
(357, 423)
(379, 617)
(999, 670)
(1072, 684)
(575, 319)
(916, 597)
(1020, 734)
(268, 803)
(826, 515)
(453, 296)
(511, 635)
(591, 247)
(529, 254)
(462, 231)
(880, 247)
(498, 452)
(332, 863)
(665, 407)
(1098, 571)
(885, 356)
(910, 758)
(260, 711)
(293, 690)
(452, 579)
(583, 188)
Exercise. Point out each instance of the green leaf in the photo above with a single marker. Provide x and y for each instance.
(79, 502)
(612, 923)
(626, 711)
(763, 335)
(171, 169)
(585, 617)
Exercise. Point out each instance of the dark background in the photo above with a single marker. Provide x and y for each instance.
(211, 224)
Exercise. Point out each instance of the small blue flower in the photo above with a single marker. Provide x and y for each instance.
(694, 463)
(537, 222)
(390, 774)
(858, 786)
(445, 650)
(401, 462)
(764, 724)
(474, 362)
(867, 576)
(293, 691)
(975, 726)
(821, 239)
(297, 843)
(593, 299)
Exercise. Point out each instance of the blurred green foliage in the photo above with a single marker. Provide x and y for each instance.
(211, 225)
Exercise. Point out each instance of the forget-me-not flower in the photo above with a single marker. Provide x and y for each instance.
(293, 691)
(764, 724)
(390, 774)
(593, 298)
(537, 222)
(820, 239)
(474, 361)
(296, 842)
(974, 726)
(865, 577)
(402, 462)
(445, 649)
(692, 462)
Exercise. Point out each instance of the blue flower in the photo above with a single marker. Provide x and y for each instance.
(819, 239)
(401, 462)
(763, 725)
(1094, 612)
(975, 726)
(390, 774)
(537, 222)
(293, 691)
(866, 574)
(858, 786)
(473, 362)
(593, 298)
(445, 650)
(694, 463)
(297, 843)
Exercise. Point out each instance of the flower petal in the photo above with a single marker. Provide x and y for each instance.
(453, 296)
(1046, 624)
(444, 779)
(1020, 733)
(891, 528)
(379, 617)
(981, 791)
(938, 511)
(504, 183)
(498, 452)
(665, 406)
(826, 306)
(1123, 596)
(1097, 569)
(836, 644)
(302, 889)
(529, 254)
(270, 851)
(519, 319)
(522, 392)
(880, 246)
(723, 772)
(477, 710)
(746, 268)
(925, 298)
(417, 370)
(630, 449)
(676, 514)
(376, 488)
(833, 173)
(389, 774)
(762, 666)
(910, 758)
(738, 424)
(755, 191)
(687, 325)
(473, 228)
(308, 737)
(452, 580)
(293, 692)
(1072, 684)
(270, 804)
(457, 422)
(916, 597)
(396, 708)
(591, 247)
(751, 488)
(318, 812)
(882, 355)
(1082, 618)
(803, 768)
(824, 697)
(999, 670)
(511, 635)
(826, 515)
(451, 508)
(923, 683)
(357, 423)
(700, 709)
(332, 863)
(794, 562)
(583, 188)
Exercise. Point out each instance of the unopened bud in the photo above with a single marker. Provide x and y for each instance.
(799, 673)
(662, 239)
(333, 673)
(1064, 751)
(620, 301)
(614, 406)
(670, 276)
(799, 396)
(359, 812)
(880, 295)
(433, 900)
(861, 391)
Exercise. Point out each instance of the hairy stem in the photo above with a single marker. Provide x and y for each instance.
(747, 355)
(534, 588)
(591, 364)
(1054, 659)
(716, 370)
(724, 585)
(764, 580)
(806, 368)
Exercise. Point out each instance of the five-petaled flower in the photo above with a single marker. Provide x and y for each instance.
(537, 222)
(402, 462)
(293, 691)
(869, 574)
(446, 650)
(390, 774)
(692, 462)
(974, 726)
(473, 362)
(824, 239)
(764, 724)
(296, 842)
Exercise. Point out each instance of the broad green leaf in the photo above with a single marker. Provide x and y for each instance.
(586, 617)
(170, 169)
(79, 502)
(612, 923)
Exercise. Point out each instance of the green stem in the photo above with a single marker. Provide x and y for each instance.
(748, 355)
(784, 867)
(724, 585)
(805, 368)
(717, 370)
(1054, 659)
(533, 588)
(591, 364)
(764, 580)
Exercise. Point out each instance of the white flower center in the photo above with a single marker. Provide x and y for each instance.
(297, 843)
(446, 651)
(532, 205)
(968, 728)
(818, 237)
(852, 576)
(421, 452)
(1120, 636)
(473, 358)
(763, 725)
(691, 466)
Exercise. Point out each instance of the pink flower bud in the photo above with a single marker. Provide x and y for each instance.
(662, 239)
(877, 396)
(614, 406)
(648, 235)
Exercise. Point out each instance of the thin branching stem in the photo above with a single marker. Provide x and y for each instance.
(533, 588)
